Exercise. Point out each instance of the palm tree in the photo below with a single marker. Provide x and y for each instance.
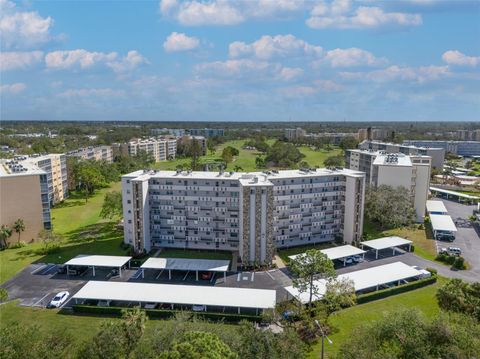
(5, 233)
(19, 227)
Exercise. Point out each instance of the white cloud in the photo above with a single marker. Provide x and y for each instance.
(83, 59)
(131, 61)
(227, 12)
(22, 29)
(19, 60)
(351, 57)
(180, 42)
(401, 73)
(455, 57)
(290, 73)
(340, 14)
(13, 88)
(274, 46)
(92, 92)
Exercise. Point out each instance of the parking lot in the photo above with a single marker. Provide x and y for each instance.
(467, 238)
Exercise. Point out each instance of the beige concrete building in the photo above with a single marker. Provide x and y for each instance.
(161, 149)
(98, 153)
(24, 195)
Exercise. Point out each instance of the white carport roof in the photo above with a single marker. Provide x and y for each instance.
(442, 222)
(337, 252)
(98, 261)
(453, 193)
(386, 242)
(178, 294)
(364, 279)
(436, 206)
(186, 264)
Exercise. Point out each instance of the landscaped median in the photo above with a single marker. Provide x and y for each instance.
(165, 313)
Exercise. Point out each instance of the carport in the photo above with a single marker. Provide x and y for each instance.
(178, 295)
(436, 207)
(455, 195)
(186, 264)
(363, 279)
(442, 224)
(341, 253)
(86, 260)
(387, 242)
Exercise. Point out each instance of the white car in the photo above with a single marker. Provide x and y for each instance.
(357, 259)
(424, 273)
(454, 250)
(58, 300)
(199, 308)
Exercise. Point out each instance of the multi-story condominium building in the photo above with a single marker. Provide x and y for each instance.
(202, 141)
(460, 148)
(207, 132)
(396, 170)
(119, 149)
(161, 149)
(55, 166)
(176, 132)
(24, 193)
(98, 153)
(436, 153)
(250, 214)
(294, 133)
(374, 134)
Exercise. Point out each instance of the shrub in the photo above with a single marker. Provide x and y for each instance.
(20, 244)
(459, 263)
(3, 295)
(432, 270)
(380, 294)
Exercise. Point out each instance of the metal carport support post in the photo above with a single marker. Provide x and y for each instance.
(224, 277)
(170, 274)
(143, 273)
(93, 269)
(196, 275)
(376, 253)
(393, 252)
(120, 271)
(409, 247)
(344, 262)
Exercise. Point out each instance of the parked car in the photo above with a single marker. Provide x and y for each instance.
(104, 303)
(199, 308)
(349, 260)
(77, 270)
(206, 275)
(357, 259)
(290, 315)
(58, 300)
(454, 251)
(443, 250)
(150, 305)
(445, 237)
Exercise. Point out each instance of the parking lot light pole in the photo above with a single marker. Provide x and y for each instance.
(323, 338)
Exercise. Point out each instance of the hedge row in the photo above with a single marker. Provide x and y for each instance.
(380, 294)
(166, 313)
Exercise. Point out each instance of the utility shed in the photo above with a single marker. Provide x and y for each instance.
(87, 260)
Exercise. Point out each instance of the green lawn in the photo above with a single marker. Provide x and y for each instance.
(191, 253)
(246, 158)
(83, 230)
(344, 322)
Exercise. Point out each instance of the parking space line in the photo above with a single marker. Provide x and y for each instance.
(38, 269)
(213, 277)
(253, 275)
(159, 274)
(269, 275)
(46, 295)
(238, 276)
(49, 268)
(186, 275)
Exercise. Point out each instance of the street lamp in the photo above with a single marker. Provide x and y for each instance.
(323, 338)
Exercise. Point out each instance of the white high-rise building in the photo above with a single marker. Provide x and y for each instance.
(247, 213)
(161, 149)
(396, 170)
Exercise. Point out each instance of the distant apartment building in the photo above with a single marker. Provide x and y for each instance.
(161, 149)
(468, 135)
(436, 153)
(202, 141)
(294, 133)
(374, 134)
(333, 137)
(250, 214)
(98, 153)
(119, 149)
(176, 132)
(396, 170)
(207, 132)
(24, 193)
(460, 148)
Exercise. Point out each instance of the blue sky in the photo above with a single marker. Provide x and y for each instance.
(218, 60)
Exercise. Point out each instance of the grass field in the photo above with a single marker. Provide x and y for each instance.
(83, 230)
(344, 322)
(246, 158)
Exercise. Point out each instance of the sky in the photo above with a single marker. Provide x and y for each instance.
(219, 60)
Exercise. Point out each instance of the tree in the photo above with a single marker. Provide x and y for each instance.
(227, 155)
(112, 205)
(5, 234)
(19, 227)
(348, 143)
(283, 154)
(459, 296)
(89, 178)
(334, 161)
(199, 345)
(50, 241)
(339, 294)
(307, 268)
(238, 168)
(408, 334)
(390, 207)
